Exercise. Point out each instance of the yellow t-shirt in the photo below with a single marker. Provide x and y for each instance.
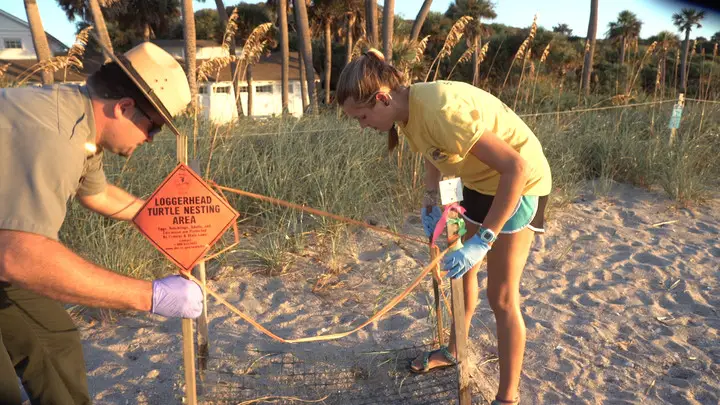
(447, 118)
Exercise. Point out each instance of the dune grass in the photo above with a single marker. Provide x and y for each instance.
(329, 163)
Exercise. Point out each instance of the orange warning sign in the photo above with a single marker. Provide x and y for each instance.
(184, 217)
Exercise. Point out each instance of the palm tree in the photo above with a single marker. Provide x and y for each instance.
(324, 13)
(591, 39)
(285, 50)
(624, 30)
(388, 26)
(665, 40)
(477, 9)
(232, 49)
(100, 27)
(157, 18)
(419, 20)
(685, 21)
(716, 37)
(40, 42)
(82, 7)
(250, 18)
(371, 19)
(354, 9)
(304, 33)
(190, 46)
(563, 29)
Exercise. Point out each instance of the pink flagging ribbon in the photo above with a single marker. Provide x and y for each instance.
(442, 223)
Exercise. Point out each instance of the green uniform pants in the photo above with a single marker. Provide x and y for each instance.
(40, 344)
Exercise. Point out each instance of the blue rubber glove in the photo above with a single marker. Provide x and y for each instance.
(460, 261)
(176, 297)
(430, 220)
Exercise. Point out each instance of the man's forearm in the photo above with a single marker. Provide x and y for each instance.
(114, 202)
(48, 268)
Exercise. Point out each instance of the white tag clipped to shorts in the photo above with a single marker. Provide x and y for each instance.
(451, 191)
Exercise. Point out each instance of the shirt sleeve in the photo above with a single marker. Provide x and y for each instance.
(456, 128)
(93, 180)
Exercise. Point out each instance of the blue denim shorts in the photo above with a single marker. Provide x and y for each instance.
(529, 212)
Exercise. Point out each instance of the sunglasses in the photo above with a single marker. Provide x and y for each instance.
(154, 128)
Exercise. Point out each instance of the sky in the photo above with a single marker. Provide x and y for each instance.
(655, 14)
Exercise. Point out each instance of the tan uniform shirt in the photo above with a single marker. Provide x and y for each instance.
(43, 161)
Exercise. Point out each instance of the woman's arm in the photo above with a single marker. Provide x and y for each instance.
(432, 180)
(498, 155)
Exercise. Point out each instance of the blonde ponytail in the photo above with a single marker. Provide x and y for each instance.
(366, 75)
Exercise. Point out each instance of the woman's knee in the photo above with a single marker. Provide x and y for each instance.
(503, 299)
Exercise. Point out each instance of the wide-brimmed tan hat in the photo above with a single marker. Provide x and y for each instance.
(158, 76)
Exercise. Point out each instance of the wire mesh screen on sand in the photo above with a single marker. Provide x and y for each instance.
(358, 378)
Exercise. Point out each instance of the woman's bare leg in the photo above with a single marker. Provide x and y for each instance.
(506, 261)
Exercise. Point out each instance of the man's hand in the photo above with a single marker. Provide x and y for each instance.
(177, 297)
(460, 261)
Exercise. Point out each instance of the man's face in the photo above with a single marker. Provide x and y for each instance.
(129, 127)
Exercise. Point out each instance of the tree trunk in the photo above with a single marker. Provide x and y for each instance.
(190, 45)
(591, 38)
(100, 27)
(303, 84)
(251, 90)
(40, 42)
(306, 50)
(684, 62)
(663, 73)
(146, 33)
(285, 50)
(350, 44)
(371, 22)
(475, 58)
(388, 27)
(223, 17)
(622, 51)
(328, 58)
(419, 20)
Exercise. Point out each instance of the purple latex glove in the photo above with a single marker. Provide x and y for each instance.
(177, 297)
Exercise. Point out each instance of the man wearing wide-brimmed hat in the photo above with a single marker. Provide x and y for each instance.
(51, 145)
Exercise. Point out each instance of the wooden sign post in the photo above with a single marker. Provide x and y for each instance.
(203, 339)
(434, 252)
(451, 192)
(187, 324)
(183, 219)
(676, 117)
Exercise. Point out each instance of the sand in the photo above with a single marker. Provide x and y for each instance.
(619, 310)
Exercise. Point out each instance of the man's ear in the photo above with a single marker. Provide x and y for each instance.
(123, 106)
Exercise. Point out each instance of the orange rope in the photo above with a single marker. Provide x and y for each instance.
(316, 212)
(433, 264)
(432, 267)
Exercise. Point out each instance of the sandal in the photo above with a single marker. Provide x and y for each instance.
(499, 401)
(426, 360)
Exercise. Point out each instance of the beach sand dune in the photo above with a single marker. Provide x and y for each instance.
(619, 310)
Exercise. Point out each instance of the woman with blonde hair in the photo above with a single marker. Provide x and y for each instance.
(466, 132)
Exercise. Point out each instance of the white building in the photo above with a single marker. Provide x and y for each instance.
(204, 49)
(217, 97)
(16, 40)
